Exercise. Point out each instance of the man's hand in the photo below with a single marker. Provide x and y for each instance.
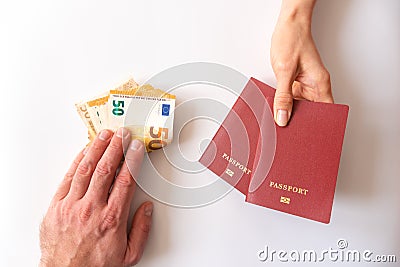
(86, 223)
(295, 60)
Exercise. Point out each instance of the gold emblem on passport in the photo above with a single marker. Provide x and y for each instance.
(236, 163)
(229, 172)
(285, 200)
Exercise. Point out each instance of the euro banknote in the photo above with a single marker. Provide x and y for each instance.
(146, 111)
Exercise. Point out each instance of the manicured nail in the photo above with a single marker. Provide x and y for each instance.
(104, 135)
(122, 132)
(148, 210)
(135, 144)
(282, 117)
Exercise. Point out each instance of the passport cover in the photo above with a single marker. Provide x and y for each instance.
(292, 169)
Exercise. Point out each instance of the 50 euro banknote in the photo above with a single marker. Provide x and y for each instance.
(147, 112)
(94, 111)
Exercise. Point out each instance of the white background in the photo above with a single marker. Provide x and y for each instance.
(55, 53)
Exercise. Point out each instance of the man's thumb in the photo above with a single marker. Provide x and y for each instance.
(283, 102)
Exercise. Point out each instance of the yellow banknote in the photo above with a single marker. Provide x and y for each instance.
(94, 111)
(146, 111)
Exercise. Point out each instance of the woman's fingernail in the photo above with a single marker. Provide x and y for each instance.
(148, 210)
(104, 135)
(135, 144)
(282, 117)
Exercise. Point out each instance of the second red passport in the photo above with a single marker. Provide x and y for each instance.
(292, 169)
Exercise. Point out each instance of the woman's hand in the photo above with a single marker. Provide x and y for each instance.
(295, 60)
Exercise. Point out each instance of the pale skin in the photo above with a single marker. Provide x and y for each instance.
(295, 60)
(86, 223)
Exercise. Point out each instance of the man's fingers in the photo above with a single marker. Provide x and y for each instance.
(139, 233)
(65, 185)
(106, 168)
(84, 171)
(124, 185)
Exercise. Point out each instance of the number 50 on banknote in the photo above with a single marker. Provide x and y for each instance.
(147, 112)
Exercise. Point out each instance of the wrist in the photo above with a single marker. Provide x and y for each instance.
(297, 11)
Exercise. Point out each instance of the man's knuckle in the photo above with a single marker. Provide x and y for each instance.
(115, 145)
(145, 227)
(125, 179)
(76, 162)
(68, 177)
(84, 168)
(131, 159)
(65, 209)
(103, 168)
(98, 145)
(110, 220)
(85, 213)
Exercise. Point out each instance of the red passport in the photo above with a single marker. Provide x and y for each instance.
(292, 169)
